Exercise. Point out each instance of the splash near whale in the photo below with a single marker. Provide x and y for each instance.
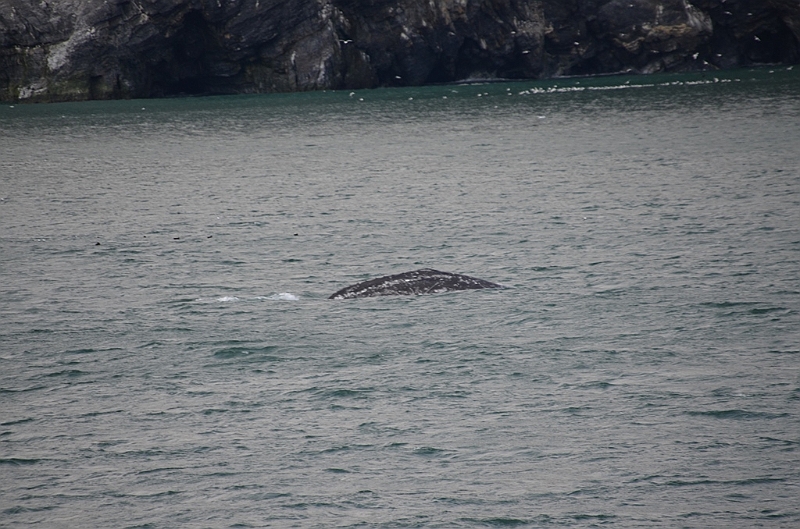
(414, 283)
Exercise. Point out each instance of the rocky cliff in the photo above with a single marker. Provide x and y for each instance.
(57, 50)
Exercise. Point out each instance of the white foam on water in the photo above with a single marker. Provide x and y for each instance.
(625, 86)
(284, 296)
(225, 299)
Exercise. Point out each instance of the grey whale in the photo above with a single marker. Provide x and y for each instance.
(416, 282)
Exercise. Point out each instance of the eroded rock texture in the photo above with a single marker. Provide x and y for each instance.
(56, 50)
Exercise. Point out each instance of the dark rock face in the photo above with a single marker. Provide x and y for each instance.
(56, 50)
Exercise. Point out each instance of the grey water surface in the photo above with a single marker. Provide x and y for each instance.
(168, 357)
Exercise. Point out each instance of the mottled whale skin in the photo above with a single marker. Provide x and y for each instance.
(424, 281)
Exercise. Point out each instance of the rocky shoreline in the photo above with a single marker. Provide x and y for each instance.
(72, 50)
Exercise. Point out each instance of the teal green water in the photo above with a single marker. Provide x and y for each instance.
(168, 355)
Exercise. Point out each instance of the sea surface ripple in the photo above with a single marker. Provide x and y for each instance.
(168, 356)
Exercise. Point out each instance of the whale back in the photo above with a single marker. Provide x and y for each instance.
(416, 282)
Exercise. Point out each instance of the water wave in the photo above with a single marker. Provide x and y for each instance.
(282, 296)
(623, 86)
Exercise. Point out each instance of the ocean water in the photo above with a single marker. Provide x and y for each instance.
(168, 357)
